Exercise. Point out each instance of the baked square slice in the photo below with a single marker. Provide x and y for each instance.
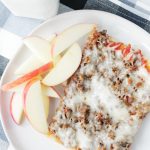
(106, 99)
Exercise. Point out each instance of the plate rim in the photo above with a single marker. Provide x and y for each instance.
(40, 26)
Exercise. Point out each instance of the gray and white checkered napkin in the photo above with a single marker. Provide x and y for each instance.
(133, 10)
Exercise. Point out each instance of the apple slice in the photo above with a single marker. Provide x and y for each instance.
(65, 67)
(28, 76)
(36, 106)
(70, 36)
(51, 92)
(19, 88)
(16, 107)
(40, 47)
(29, 65)
(56, 60)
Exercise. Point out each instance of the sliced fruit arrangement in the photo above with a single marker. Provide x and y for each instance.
(50, 65)
(66, 66)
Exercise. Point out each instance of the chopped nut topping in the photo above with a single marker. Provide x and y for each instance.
(128, 100)
(84, 109)
(103, 97)
(99, 117)
(64, 126)
(139, 84)
(87, 60)
(130, 81)
(111, 134)
(67, 112)
(101, 147)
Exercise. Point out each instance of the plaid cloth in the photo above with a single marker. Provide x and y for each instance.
(133, 10)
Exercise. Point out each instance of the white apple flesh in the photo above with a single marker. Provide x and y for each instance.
(36, 106)
(16, 107)
(29, 65)
(65, 67)
(70, 36)
(41, 48)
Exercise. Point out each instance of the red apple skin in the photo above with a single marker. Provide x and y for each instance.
(12, 96)
(28, 76)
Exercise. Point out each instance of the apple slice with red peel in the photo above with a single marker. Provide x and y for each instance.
(28, 76)
(26, 67)
(70, 36)
(65, 67)
(36, 106)
(41, 48)
(16, 107)
(18, 88)
(29, 65)
(51, 92)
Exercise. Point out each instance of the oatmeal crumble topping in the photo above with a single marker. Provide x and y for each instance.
(106, 99)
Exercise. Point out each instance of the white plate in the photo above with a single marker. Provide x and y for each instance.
(24, 137)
